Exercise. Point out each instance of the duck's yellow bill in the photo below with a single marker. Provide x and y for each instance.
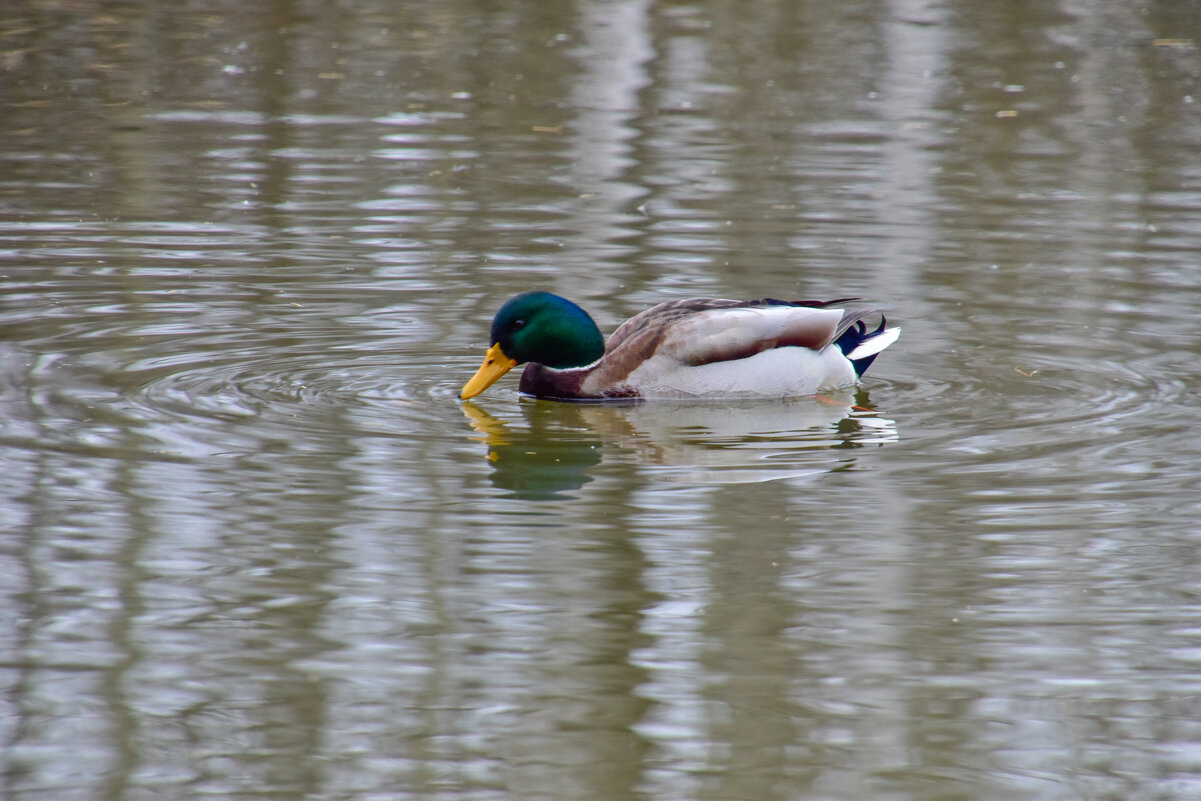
(496, 364)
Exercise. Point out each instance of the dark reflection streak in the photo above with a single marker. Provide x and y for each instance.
(765, 185)
(752, 656)
(500, 74)
(1158, 142)
(30, 609)
(439, 692)
(137, 182)
(289, 712)
(619, 753)
(275, 93)
(292, 714)
(129, 576)
(940, 732)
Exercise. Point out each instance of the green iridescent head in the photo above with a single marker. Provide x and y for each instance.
(547, 329)
(537, 327)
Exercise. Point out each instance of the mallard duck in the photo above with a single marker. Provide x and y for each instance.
(699, 348)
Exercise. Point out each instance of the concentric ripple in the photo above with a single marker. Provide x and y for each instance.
(300, 391)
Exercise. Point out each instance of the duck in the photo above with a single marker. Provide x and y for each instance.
(699, 348)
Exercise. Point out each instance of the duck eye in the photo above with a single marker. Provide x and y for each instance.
(518, 324)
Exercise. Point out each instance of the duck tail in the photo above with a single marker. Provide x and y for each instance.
(861, 346)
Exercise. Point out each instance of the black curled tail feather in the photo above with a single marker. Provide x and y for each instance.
(855, 336)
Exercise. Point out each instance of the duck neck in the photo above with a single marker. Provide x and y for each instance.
(550, 382)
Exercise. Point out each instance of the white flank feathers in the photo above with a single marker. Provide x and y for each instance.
(777, 373)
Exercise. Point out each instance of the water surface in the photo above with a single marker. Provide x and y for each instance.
(252, 545)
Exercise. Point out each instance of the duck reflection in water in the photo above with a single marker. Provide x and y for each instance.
(544, 461)
(560, 445)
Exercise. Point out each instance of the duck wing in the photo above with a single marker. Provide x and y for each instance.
(706, 330)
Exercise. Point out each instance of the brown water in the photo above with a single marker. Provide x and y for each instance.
(251, 544)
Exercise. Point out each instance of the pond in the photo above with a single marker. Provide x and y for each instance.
(253, 545)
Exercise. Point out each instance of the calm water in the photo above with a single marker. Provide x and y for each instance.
(252, 545)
